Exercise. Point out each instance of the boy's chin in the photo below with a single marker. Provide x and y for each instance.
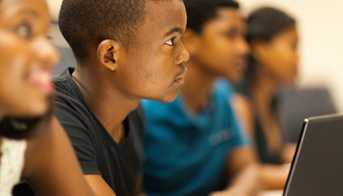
(233, 78)
(169, 98)
(165, 98)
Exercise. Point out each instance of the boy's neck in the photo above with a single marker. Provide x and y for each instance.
(109, 104)
(197, 88)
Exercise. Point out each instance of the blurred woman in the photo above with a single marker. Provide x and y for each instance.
(33, 146)
(273, 38)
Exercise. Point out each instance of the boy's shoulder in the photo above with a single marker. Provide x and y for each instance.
(224, 88)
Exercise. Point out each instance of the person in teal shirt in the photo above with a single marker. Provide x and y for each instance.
(194, 145)
(185, 153)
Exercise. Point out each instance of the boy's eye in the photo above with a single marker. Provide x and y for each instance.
(233, 34)
(171, 42)
(24, 30)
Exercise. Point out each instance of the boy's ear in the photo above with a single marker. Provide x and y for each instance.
(108, 53)
(191, 41)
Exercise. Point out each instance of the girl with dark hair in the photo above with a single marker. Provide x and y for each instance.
(33, 146)
(273, 39)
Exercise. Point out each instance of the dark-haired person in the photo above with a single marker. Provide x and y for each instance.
(33, 146)
(126, 50)
(273, 37)
(194, 146)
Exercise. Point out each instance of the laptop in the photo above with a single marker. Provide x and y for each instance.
(317, 168)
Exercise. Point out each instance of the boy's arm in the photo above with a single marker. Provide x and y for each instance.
(244, 172)
(52, 168)
(99, 186)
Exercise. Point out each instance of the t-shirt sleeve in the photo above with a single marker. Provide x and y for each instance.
(80, 137)
(239, 138)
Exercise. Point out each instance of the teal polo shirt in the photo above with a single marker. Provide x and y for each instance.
(186, 154)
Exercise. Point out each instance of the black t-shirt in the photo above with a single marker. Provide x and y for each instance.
(118, 163)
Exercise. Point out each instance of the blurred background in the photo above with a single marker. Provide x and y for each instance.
(320, 85)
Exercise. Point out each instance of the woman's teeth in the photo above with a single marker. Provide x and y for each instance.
(42, 79)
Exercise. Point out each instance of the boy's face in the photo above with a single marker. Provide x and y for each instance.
(153, 67)
(220, 49)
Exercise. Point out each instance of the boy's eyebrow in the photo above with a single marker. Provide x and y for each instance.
(174, 30)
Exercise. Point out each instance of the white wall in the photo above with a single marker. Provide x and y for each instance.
(54, 6)
(321, 32)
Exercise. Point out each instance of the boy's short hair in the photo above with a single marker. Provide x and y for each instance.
(200, 12)
(85, 23)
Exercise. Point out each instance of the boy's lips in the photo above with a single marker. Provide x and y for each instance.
(180, 78)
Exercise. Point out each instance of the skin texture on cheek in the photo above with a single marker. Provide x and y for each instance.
(155, 82)
(11, 68)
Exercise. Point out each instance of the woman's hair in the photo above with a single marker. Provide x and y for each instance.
(263, 25)
(13, 127)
